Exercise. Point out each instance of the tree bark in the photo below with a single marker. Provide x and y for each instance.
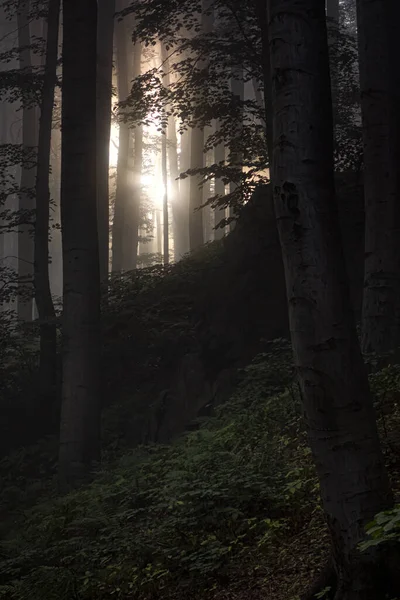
(80, 412)
(380, 100)
(196, 238)
(121, 192)
(219, 213)
(336, 398)
(184, 190)
(43, 298)
(105, 34)
(134, 185)
(164, 171)
(237, 89)
(28, 171)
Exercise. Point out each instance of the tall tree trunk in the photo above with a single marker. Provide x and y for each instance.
(262, 18)
(132, 207)
(80, 413)
(184, 189)
(105, 33)
(219, 156)
(196, 193)
(28, 172)
(164, 171)
(335, 393)
(236, 158)
(122, 190)
(43, 298)
(197, 155)
(378, 24)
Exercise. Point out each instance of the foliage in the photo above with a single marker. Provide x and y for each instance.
(383, 529)
(178, 521)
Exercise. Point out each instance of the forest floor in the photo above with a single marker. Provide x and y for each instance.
(229, 510)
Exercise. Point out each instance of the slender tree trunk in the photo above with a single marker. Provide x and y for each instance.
(236, 158)
(28, 171)
(80, 413)
(164, 171)
(105, 33)
(219, 155)
(197, 156)
(43, 298)
(336, 397)
(179, 216)
(132, 208)
(196, 193)
(262, 17)
(121, 193)
(378, 24)
(184, 165)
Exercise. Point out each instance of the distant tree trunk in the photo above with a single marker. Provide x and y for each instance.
(158, 231)
(336, 398)
(179, 213)
(28, 170)
(196, 194)
(184, 189)
(236, 157)
(262, 18)
(164, 171)
(132, 207)
(122, 190)
(219, 156)
(105, 33)
(197, 155)
(80, 412)
(43, 298)
(380, 100)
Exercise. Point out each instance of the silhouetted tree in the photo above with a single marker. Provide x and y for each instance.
(335, 394)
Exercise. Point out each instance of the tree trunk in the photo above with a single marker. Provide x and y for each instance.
(164, 171)
(196, 238)
(28, 171)
(262, 18)
(380, 101)
(105, 33)
(133, 197)
(196, 193)
(336, 398)
(43, 298)
(121, 192)
(80, 413)
(236, 158)
(184, 189)
(219, 213)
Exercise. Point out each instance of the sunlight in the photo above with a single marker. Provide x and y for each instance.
(114, 139)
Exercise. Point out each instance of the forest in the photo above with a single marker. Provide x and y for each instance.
(199, 300)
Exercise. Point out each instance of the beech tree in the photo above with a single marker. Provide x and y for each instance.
(335, 394)
(379, 72)
(43, 298)
(105, 33)
(28, 171)
(80, 411)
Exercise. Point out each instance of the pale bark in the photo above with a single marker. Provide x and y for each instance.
(380, 100)
(105, 33)
(43, 298)
(28, 171)
(335, 394)
(80, 412)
